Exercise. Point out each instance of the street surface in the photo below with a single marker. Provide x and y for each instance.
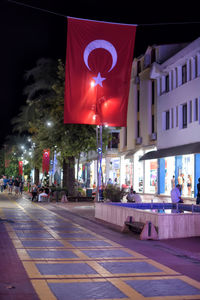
(59, 251)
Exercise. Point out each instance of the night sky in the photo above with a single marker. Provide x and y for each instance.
(27, 34)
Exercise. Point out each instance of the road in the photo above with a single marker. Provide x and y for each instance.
(59, 251)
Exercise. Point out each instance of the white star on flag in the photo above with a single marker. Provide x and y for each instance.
(98, 80)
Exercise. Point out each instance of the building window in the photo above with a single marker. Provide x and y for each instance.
(167, 120)
(138, 100)
(152, 124)
(196, 109)
(172, 118)
(190, 112)
(184, 74)
(176, 116)
(196, 66)
(125, 136)
(167, 83)
(138, 128)
(113, 140)
(152, 92)
(184, 110)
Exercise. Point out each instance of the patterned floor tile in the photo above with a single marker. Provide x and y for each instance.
(106, 253)
(129, 267)
(51, 254)
(65, 269)
(163, 287)
(85, 290)
(42, 244)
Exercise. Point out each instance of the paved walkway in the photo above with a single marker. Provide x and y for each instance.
(59, 251)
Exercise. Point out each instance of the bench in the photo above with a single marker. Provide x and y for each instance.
(146, 230)
(135, 226)
(44, 199)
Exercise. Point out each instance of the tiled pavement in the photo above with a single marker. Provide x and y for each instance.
(66, 261)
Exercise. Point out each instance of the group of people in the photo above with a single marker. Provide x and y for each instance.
(177, 191)
(183, 183)
(11, 184)
(39, 191)
(132, 196)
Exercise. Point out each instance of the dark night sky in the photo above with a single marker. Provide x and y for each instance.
(28, 34)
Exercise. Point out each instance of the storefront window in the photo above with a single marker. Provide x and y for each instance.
(151, 176)
(114, 170)
(138, 172)
(188, 175)
(169, 174)
(129, 172)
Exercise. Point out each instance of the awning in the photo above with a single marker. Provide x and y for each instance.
(173, 151)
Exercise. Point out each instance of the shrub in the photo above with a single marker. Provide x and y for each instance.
(113, 193)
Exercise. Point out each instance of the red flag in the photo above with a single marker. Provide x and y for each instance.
(20, 167)
(98, 69)
(46, 160)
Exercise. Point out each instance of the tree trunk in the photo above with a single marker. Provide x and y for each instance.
(69, 175)
(36, 176)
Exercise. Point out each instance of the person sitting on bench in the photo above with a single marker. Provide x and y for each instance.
(176, 194)
(42, 194)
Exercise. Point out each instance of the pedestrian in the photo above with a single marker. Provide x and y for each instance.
(4, 182)
(1, 184)
(16, 185)
(57, 193)
(173, 182)
(34, 192)
(130, 196)
(198, 192)
(189, 184)
(21, 186)
(10, 185)
(176, 194)
(109, 181)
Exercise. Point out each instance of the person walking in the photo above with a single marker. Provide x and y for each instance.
(4, 182)
(34, 193)
(10, 185)
(16, 185)
(1, 184)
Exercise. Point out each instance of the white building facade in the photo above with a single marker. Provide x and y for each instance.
(178, 120)
(140, 136)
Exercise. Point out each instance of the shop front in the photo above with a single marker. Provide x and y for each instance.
(142, 175)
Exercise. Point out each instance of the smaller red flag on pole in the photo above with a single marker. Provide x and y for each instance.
(20, 167)
(46, 160)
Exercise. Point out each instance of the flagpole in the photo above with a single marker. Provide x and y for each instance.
(97, 137)
(99, 130)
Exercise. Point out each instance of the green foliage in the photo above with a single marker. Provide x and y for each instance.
(13, 166)
(2, 162)
(114, 193)
(45, 103)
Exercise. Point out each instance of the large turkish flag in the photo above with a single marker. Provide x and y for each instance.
(98, 69)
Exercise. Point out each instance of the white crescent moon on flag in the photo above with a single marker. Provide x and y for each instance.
(96, 44)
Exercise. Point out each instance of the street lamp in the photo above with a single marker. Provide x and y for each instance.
(49, 123)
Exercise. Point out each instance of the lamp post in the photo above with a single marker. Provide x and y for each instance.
(99, 129)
